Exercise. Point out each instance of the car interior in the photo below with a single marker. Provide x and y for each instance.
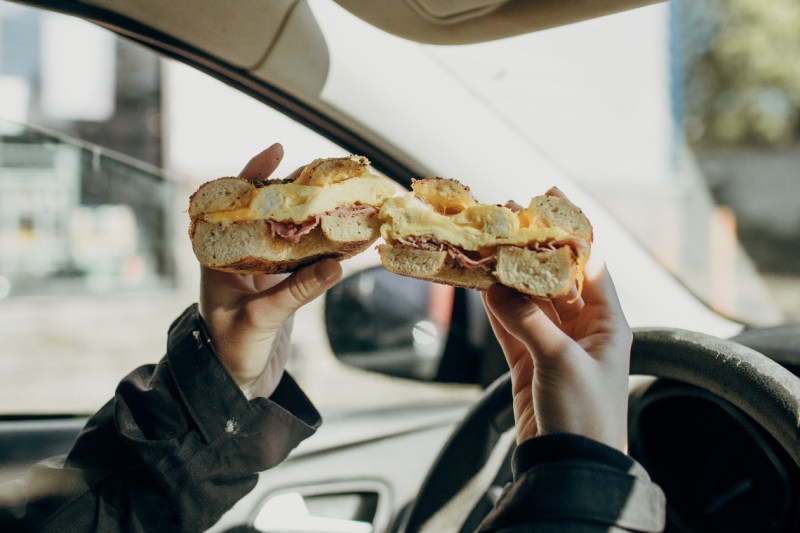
(412, 386)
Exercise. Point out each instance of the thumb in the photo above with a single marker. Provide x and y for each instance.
(275, 305)
(525, 320)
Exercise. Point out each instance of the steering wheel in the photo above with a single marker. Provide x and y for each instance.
(761, 388)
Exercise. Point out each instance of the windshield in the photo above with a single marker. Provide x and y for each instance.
(605, 104)
(678, 121)
(741, 119)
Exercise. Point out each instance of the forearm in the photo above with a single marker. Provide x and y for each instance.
(174, 449)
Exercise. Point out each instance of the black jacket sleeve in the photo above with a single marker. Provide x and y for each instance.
(568, 483)
(176, 447)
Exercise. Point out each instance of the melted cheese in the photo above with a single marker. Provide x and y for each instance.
(475, 228)
(298, 203)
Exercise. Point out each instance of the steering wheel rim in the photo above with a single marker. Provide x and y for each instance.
(722, 367)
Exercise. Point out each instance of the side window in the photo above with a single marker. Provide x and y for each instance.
(75, 218)
(101, 144)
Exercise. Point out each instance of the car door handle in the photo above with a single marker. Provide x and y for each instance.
(288, 513)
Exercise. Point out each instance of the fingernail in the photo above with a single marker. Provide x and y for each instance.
(327, 270)
(499, 294)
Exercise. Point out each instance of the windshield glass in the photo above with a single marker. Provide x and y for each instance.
(605, 103)
(682, 125)
(741, 119)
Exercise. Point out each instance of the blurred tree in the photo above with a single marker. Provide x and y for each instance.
(742, 71)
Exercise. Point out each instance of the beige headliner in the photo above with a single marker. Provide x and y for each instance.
(244, 32)
(267, 37)
(280, 42)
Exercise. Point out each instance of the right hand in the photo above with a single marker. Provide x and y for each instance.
(248, 315)
(569, 362)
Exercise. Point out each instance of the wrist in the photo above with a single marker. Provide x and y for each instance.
(264, 383)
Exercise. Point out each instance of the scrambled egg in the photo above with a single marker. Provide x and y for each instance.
(477, 227)
(298, 203)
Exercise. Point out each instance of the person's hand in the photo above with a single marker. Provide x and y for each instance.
(249, 316)
(569, 361)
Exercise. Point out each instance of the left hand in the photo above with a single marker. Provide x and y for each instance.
(248, 315)
(569, 362)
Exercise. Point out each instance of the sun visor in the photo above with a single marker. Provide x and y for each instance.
(298, 60)
(263, 37)
(452, 11)
(472, 21)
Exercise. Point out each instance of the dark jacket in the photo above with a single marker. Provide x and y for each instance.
(179, 444)
(568, 483)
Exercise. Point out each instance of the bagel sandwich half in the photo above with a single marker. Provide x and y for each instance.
(273, 226)
(439, 233)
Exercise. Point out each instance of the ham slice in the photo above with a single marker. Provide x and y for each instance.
(293, 232)
(472, 259)
(465, 258)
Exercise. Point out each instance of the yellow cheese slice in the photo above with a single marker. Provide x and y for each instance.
(475, 228)
(298, 203)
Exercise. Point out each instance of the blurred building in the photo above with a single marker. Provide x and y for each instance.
(74, 215)
(76, 218)
(39, 187)
(739, 67)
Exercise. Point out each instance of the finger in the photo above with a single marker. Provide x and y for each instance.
(548, 309)
(601, 297)
(513, 349)
(264, 164)
(275, 305)
(296, 174)
(211, 280)
(555, 191)
(263, 282)
(526, 320)
(520, 363)
(598, 287)
(568, 307)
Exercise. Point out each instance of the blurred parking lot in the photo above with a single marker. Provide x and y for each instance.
(100, 340)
